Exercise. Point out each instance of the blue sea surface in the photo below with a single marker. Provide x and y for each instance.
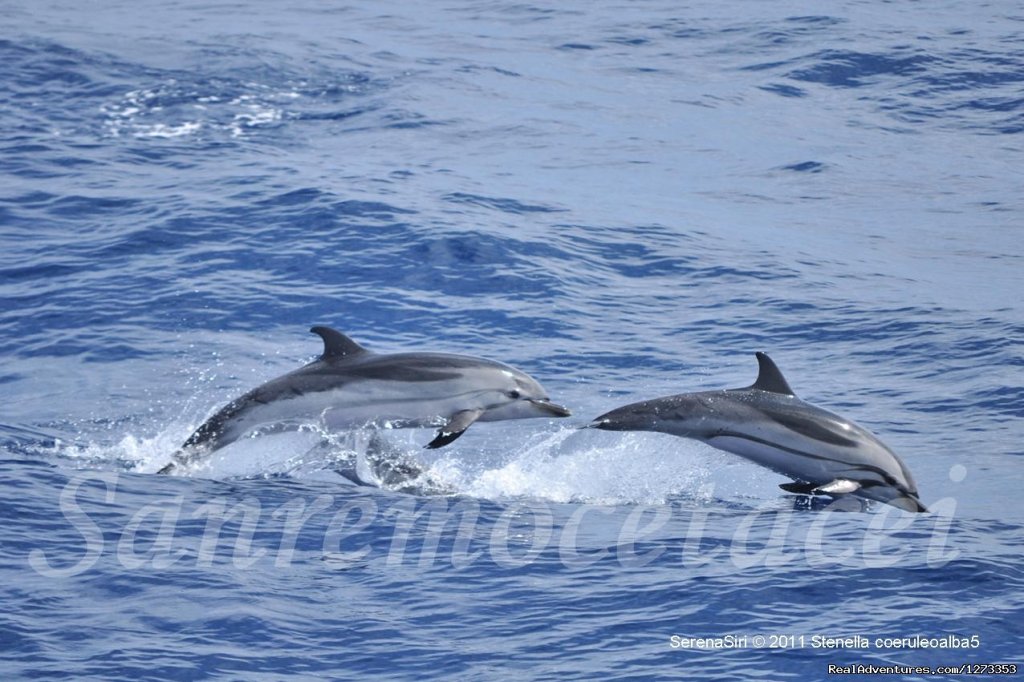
(625, 200)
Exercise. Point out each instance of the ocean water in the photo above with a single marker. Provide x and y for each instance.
(625, 200)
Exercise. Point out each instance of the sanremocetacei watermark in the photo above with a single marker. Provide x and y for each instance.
(346, 530)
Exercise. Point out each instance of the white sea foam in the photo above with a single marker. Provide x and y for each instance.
(167, 131)
(173, 110)
(579, 466)
(563, 466)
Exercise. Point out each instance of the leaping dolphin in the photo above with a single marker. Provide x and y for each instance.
(349, 386)
(768, 424)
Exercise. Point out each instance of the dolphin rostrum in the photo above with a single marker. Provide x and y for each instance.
(768, 424)
(349, 386)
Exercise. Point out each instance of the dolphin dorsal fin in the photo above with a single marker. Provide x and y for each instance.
(769, 378)
(336, 344)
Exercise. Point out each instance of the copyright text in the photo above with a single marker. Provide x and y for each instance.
(820, 641)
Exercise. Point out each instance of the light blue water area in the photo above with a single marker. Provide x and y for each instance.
(623, 200)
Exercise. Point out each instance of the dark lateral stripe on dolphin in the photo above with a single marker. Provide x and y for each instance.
(811, 429)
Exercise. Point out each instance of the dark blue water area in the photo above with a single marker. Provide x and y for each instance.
(625, 201)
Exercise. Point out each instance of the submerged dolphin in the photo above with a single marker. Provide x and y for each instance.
(349, 386)
(767, 424)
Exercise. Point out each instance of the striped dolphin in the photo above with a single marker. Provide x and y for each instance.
(768, 424)
(349, 386)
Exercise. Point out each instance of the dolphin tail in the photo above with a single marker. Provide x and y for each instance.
(180, 458)
(168, 468)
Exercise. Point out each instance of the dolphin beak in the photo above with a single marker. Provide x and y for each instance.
(603, 423)
(554, 409)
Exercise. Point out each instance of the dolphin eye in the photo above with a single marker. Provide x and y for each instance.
(514, 394)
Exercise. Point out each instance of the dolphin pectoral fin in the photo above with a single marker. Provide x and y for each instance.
(799, 487)
(456, 426)
(443, 438)
(168, 468)
(836, 487)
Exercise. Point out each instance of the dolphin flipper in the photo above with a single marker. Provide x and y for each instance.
(840, 486)
(799, 487)
(456, 426)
